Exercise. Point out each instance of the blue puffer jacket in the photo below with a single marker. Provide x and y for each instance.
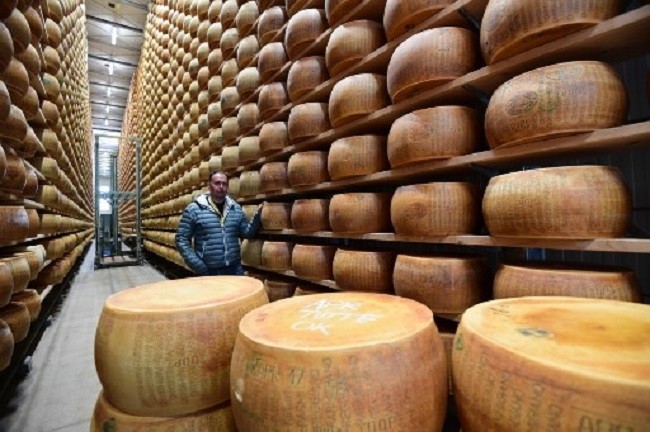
(215, 245)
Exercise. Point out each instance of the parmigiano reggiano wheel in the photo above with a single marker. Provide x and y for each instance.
(271, 59)
(234, 187)
(313, 262)
(215, 114)
(357, 96)
(307, 168)
(349, 43)
(357, 156)
(360, 212)
(307, 121)
(273, 176)
(310, 215)
(6, 284)
(251, 252)
(6, 8)
(229, 40)
(278, 290)
(276, 216)
(272, 98)
(537, 24)
(14, 223)
(248, 117)
(6, 345)
(215, 87)
(586, 365)
(229, 71)
(230, 158)
(273, 137)
(229, 130)
(305, 75)
(542, 279)
(270, 23)
(150, 349)
(401, 16)
(19, 29)
(277, 255)
(16, 315)
(447, 285)
(246, 17)
(107, 417)
(214, 11)
(433, 133)
(31, 299)
(436, 209)
(303, 29)
(215, 60)
(577, 202)
(429, 59)
(293, 350)
(554, 101)
(364, 270)
(250, 182)
(229, 10)
(248, 80)
(229, 100)
(215, 163)
(249, 149)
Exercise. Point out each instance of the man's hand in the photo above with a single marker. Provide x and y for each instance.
(261, 206)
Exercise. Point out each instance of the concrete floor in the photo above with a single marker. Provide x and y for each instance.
(60, 391)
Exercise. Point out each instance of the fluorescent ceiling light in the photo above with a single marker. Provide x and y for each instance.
(108, 92)
(114, 36)
(108, 109)
(106, 121)
(110, 68)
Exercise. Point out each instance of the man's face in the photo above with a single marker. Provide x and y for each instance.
(218, 187)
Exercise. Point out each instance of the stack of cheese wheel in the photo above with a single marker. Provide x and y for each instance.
(401, 16)
(537, 279)
(357, 96)
(249, 183)
(436, 209)
(364, 270)
(586, 365)
(313, 262)
(349, 43)
(278, 290)
(554, 101)
(360, 212)
(357, 156)
(138, 332)
(447, 285)
(276, 216)
(354, 338)
(310, 215)
(577, 202)
(307, 168)
(277, 255)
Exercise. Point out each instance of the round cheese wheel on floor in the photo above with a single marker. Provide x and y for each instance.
(270, 23)
(273, 176)
(357, 96)
(6, 345)
(276, 216)
(544, 279)
(251, 252)
(108, 417)
(310, 215)
(433, 133)
(305, 75)
(429, 59)
(301, 346)
(277, 255)
(156, 342)
(446, 285)
(271, 59)
(278, 290)
(360, 213)
(363, 270)
(302, 30)
(586, 363)
(272, 98)
(249, 183)
(307, 168)
(577, 202)
(313, 262)
(357, 156)
(351, 42)
(16, 315)
(536, 24)
(30, 298)
(274, 137)
(436, 209)
(307, 121)
(401, 16)
(555, 101)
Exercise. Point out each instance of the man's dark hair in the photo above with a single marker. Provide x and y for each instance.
(213, 173)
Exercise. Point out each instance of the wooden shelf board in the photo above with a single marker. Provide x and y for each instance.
(324, 283)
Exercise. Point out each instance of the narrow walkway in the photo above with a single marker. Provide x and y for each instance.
(60, 391)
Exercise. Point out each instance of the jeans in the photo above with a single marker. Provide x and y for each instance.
(231, 270)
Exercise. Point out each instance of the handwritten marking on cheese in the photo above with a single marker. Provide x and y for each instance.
(331, 312)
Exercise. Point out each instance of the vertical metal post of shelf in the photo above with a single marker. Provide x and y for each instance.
(138, 198)
(98, 245)
(114, 206)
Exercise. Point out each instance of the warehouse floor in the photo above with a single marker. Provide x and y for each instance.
(60, 391)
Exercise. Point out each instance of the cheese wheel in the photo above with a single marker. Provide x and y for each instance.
(544, 279)
(6, 345)
(6, 284)
(249, 183)
(15, 127)
(248, 80)
(537, 24)
(575, 202)
(15, 176)
(215, 32)
(401, 16)
(249, 150)
(276, 216)
(271, 59)
(433, 133)
(357, 156)
(278, 290)
(274, 137)
(19, 29)
(313, 262)
(229, 130)
(150, 349)
(246, 17)
(436, 209)
(447, 285)
(6, 48)
(248, 117)
(16, 315)
(215, 87)
(429, 59)
(295, 347)
(5, 101)
(554, 101)
(586, 362)
(305, 75)
(363, 270)
(251, 252)
(307, 121)
(360, 213)
(351, 42)
(273, 176)
(214, 11)
(215, 163)
(310, 215)
(234, 187)
(230, 158)
(215, 114)
(229, 10)
(307, 168)
(108, 417)
(30, 298)
(229, 40)
(276, 255)
(303, 29)
(357, 96)
(270, 23)
(272, 98)
(14, 223)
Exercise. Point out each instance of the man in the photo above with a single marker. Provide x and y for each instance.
(215, 222)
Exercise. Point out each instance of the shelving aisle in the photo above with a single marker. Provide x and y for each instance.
(60, 390)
